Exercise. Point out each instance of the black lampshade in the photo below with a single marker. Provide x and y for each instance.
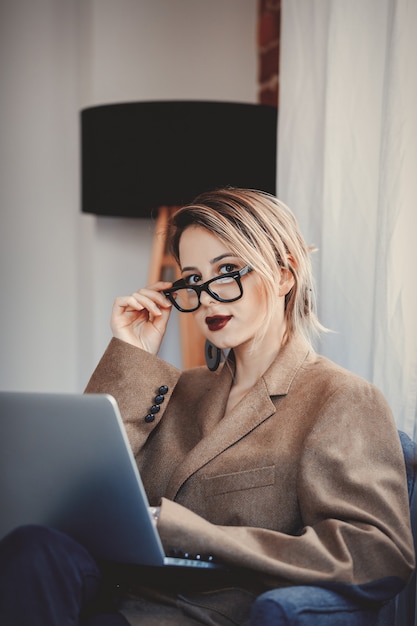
(138, 156)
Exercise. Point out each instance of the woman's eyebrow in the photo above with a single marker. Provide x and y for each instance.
(222, 256)
(189, 268)
(212, 262)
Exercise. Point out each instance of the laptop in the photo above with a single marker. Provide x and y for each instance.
(66, 462)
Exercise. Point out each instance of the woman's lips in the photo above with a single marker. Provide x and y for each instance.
(217, 322)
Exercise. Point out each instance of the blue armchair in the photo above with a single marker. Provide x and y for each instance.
(317, 606)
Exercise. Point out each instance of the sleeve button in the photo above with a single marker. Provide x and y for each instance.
(155, 408)
(149, 418)
(159, 399)
(163, 389)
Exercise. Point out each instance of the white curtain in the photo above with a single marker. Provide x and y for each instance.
(347, 165)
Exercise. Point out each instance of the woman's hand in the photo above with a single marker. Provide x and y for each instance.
(141, 319)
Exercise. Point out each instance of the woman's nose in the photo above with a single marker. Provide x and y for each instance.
(206, 299)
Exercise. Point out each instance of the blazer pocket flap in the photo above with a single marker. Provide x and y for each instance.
(238, 481)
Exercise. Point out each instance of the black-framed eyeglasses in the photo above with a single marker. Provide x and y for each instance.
(223, 288)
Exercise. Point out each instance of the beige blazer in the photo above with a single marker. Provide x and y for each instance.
(303, 482)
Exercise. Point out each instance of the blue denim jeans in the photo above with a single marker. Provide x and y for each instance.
(316, 606)
(48, 579)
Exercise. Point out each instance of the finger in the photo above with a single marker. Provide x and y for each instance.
(156, 297)
(160, 322)
(141, 302)
(128, 302)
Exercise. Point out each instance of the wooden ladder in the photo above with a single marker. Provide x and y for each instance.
(164, 267)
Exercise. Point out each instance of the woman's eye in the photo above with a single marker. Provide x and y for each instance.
(193, 279)
(227, 268)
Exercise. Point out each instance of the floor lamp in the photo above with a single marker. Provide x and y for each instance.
(145, 159)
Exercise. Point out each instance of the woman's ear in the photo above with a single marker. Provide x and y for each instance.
(286, 281)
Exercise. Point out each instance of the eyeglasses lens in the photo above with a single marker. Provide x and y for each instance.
(225, 289)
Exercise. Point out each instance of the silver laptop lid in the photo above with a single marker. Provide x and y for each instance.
(66, 462)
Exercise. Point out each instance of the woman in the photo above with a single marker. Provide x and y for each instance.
(279, 464)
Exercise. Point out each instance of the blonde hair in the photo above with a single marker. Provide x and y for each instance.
(264, 233)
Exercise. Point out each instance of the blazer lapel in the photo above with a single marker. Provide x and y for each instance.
(219, 432)
(255, 407)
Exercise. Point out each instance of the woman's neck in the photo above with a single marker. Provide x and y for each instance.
(251, 364)
(253, 360)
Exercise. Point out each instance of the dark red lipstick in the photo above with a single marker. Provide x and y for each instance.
(217, 322)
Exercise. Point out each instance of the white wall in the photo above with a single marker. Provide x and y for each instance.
(61, 270)
(38, 195)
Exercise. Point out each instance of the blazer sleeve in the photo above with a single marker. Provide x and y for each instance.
(135, 379)
(353, 502)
